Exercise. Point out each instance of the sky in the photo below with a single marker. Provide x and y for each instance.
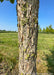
(8, 15)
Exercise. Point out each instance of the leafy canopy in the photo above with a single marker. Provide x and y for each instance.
(11, 1)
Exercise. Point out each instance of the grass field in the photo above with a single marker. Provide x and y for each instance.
(45, 52)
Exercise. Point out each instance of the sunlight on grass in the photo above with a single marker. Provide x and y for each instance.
(45, 58)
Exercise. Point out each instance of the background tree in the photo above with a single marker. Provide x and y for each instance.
(50, 28)
(27, 12)
(40, 30)
(47, 29)
(43, 30)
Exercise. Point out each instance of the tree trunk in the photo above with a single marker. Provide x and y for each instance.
(27, 12)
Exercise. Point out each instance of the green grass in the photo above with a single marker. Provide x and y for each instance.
(45, 52)
(9, 48)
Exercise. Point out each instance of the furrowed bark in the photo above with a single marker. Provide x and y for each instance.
(27, 12)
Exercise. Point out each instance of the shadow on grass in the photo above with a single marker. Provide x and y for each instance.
(1, 58)
(50, 61)
(2, 42)
(10, 61)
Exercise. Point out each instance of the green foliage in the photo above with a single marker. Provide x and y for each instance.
(4, 31)
(43, 30)
(39, 29)
(48, 29)
(12, 1)
(1, 0)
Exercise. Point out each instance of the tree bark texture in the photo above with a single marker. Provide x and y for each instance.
(27, 12)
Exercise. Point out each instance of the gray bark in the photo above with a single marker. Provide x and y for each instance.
(27, 12)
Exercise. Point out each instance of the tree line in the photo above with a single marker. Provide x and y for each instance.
(48, 29)
(4, 31)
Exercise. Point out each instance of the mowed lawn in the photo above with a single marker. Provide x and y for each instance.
(45, 52)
